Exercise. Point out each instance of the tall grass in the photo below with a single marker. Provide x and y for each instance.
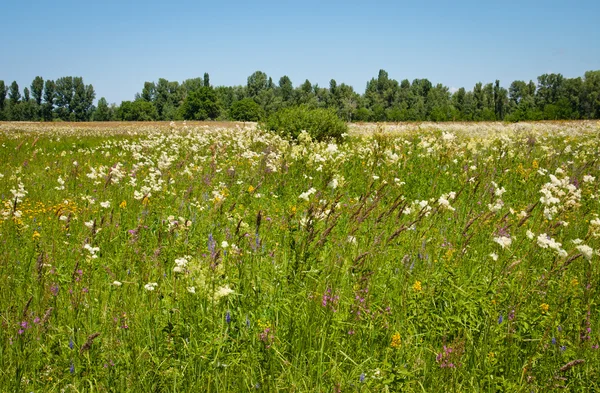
(228, 260)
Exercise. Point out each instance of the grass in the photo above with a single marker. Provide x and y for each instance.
(198, 258)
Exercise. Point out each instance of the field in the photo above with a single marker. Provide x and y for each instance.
(220, 258)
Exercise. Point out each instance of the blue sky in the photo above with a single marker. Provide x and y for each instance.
(117, 45)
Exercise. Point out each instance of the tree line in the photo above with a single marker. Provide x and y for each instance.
(553, 97)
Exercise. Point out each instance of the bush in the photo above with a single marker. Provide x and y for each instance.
(246, 110)
(321, 124)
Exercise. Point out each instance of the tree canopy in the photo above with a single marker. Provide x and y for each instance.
(550, 97)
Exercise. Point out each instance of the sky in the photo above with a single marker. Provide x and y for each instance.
(118, 45)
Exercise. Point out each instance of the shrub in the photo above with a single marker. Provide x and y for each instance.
(246, 110)
(321, 124)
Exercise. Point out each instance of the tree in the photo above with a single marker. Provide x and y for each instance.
(149, 92)
(64, 97)
(102, 112)
(200, 105)
(286, 89)
(49, 97)
(14, 94)
(591, 95)
(206, 80)
(37, 86)
(256, 83)
(246, 110)
(139, 110)
(3, 91)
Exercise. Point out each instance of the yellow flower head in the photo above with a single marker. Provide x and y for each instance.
(396, 340)
(251, 189)
(417, 286)
(545, 307)
(123, 205)
(36, 235)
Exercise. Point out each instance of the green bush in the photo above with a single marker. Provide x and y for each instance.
(321, 124)
(246, 110)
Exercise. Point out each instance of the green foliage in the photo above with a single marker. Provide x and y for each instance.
(200, 104)
(246, 110)
(37, 87)
(103, 111)
(139, 110)
(321, 124)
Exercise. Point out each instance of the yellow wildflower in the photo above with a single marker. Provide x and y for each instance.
(123, 205)
(251, 189)
(535, 164)
(36, 235)
(396, 340)
(417, 286)
(545, 307)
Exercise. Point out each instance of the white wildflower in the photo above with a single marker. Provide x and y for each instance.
(503, 241)
(587, 251)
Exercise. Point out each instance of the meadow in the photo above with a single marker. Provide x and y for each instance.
(209, 257)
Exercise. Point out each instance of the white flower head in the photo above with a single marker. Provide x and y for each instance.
(222, 292)
(587, 251)
(503, 241)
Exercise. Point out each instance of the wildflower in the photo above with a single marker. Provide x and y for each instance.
(307, 194)
(251, 189)
(362, 377)
(503, 241)
(494, 256)
(105, 204)
(224, 244)
(151, 286)
(396, 340)
(228, 317)
(222, 292)
(544, 307)
(72, 368)
(117, 283)
(36, 235)
(123, 204)
(417, 286)
(587, 251)
(500, 319)
(191, 289)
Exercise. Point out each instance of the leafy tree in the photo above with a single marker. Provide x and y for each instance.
(256, 83)
(591, 95)
(37, 86)
(64, 97)
(148, 92)
(3, 91)
(49, 97)
(286, 89)
(14, 94)
(206, 80)
(139, 110)
(103, 111)
(246, 110)
(200, 105)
